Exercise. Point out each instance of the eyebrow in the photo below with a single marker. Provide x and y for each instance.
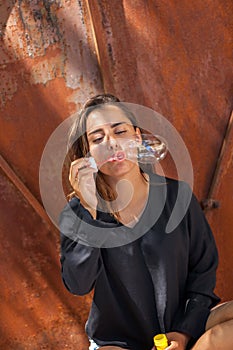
(100, 129)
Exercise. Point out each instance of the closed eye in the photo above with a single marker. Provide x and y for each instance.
(120, 132)
(98, 139)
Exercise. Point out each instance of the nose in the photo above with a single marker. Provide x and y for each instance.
(112, 143)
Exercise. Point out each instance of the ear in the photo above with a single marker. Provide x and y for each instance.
(138, 135)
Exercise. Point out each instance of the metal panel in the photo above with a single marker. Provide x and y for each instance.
(47, 70)
(177, 59)
(48, 67)
(37, 312)
(221, 218)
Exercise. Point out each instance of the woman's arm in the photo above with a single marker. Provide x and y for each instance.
(81, 263)
(81, 266)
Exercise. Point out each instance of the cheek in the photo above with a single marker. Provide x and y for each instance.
(100, 153)
(94, 151)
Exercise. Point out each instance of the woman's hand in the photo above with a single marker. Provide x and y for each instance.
(82, 180)
(176, 341)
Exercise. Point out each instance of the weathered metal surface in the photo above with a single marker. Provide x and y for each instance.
(173, 57)
(48, 68)
(32, 201)
(177, 59)
(221, 218)
(36, 310)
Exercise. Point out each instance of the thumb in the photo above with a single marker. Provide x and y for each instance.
(173, 345)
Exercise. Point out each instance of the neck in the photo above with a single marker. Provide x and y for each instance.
(135, 178)
(131, 189)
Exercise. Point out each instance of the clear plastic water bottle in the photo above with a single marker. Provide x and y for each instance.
(152, 149)
(147, 149)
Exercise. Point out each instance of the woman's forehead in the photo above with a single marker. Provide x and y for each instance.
(106, 115)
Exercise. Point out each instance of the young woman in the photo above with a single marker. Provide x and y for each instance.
(155, 282)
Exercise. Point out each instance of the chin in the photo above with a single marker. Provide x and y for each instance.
(118, 169)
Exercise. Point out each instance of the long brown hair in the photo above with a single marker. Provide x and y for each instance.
(78, 146)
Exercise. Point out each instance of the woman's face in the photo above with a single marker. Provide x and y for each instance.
(108, 132)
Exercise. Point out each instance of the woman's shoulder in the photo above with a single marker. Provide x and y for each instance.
(170, 183)
(177, 194)
(72, 205)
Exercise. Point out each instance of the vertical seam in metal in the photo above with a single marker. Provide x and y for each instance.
(95, 43)
(217, 168)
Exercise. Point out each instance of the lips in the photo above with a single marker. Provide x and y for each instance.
(118, 157)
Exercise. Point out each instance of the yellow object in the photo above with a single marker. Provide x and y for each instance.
(160, 341)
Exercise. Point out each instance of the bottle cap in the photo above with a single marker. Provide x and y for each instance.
(160, 341)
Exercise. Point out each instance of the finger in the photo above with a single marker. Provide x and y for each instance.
(78, 163)
(75, 167)
(173, 345)
(83, 167)
(84, 163)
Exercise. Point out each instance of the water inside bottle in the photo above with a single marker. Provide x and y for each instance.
(151, 149)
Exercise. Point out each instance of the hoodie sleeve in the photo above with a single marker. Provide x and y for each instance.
(80, 263)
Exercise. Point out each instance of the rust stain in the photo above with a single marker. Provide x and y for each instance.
(43, 70)
(37, 30)
(31, 28)
(80, 61)
(8, 85)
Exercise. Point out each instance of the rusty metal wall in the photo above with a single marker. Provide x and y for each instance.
(177, 59)
(221, 218)
(48, 67)
(173, 57)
